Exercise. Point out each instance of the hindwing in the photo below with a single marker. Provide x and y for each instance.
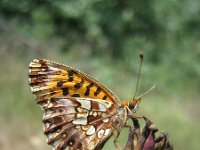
(78, 123)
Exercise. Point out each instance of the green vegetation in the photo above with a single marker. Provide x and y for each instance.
(103, 38)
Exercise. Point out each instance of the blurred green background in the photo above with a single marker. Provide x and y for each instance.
(103, 38)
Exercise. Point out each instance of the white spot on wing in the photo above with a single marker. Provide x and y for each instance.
(107, 132)
(105, 120)
(95, 114)
(47, 125)
(48, 113)
(81, 115)
(62, 102)
(53, 68)
(102, 107)
(100, 133)
(35, 63)
(70, 110)
(66, 102)
(91, 130)
(29, 80)
(85, 128)
(85, 104)
(107, 104)
(81, 121)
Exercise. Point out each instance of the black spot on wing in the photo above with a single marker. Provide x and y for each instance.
(70, 74)
(78, 85)
(65, 91)
(60, 83)
(97, 91)
(75, 95)
(87, 92)
(104, 98)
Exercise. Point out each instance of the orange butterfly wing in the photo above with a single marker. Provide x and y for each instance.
(49, 79)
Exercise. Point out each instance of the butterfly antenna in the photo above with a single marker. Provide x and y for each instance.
(145, 93)
(138, 78)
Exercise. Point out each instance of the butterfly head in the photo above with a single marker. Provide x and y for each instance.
(134, 104)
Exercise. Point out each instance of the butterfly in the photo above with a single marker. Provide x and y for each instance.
(79, 112)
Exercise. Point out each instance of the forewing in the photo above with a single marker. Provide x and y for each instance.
(49, 79)
(78, 123)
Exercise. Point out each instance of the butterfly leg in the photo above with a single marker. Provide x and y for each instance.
(116, 142)
(133, 116)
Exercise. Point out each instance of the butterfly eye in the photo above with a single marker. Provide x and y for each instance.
(135, 108)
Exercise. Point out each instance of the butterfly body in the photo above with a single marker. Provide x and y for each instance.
(79, 112)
